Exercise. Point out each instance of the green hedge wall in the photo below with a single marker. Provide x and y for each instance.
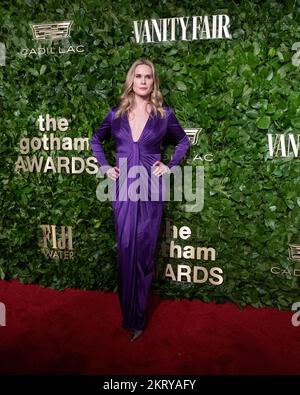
(237, 90)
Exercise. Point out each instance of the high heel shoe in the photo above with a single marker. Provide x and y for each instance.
(135, 335)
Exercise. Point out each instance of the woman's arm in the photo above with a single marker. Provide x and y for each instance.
(178, 137)
(101, 133)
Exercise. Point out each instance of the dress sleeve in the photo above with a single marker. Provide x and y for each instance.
(102, 133)
(177, 136)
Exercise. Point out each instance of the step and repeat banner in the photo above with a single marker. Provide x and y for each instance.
(230, 71)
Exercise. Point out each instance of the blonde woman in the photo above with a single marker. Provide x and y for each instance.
(138, 127)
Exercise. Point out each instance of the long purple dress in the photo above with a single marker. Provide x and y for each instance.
(137, 222)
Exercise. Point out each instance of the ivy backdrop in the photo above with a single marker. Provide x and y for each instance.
(236, 90)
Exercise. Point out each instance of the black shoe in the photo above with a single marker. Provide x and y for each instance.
(136, 334)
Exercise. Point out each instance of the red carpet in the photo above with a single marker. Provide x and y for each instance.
(78, 332)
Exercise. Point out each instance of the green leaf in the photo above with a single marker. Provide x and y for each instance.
(272, 52)
(263, 122)
(181, 86)
(43, 69)
(252, 113)
(33, 72)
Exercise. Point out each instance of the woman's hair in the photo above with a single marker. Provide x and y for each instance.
(127, 98)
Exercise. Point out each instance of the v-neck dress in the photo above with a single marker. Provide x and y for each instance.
(138, 201)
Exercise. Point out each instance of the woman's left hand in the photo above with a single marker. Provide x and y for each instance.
(160, 168)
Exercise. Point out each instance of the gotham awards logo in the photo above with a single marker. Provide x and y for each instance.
(199, 273)
(47, 146)
(296, 56)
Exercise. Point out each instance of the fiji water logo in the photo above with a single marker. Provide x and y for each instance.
(57, 242)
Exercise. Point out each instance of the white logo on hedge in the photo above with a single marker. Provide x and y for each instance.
(296, 316)
(57, 247)
(186, 273)
(281, 145)
(193, 135)
(182, 29)
(2, 314)
(296, 56)
(2, 54)
(51, 31)
(294, 252)
(289, 271)
(50, 143)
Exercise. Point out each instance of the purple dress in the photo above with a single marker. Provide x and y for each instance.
(137, 222)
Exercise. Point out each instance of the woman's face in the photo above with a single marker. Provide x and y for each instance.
(143, 80)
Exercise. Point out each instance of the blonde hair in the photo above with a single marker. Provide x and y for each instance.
(127, 98)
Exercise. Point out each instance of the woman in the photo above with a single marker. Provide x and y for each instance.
(138, 126)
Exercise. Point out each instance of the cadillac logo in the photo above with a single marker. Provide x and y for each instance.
(51, 31)
(193, 135)
(294, 252)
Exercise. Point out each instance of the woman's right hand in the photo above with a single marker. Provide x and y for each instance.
(113, 173)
